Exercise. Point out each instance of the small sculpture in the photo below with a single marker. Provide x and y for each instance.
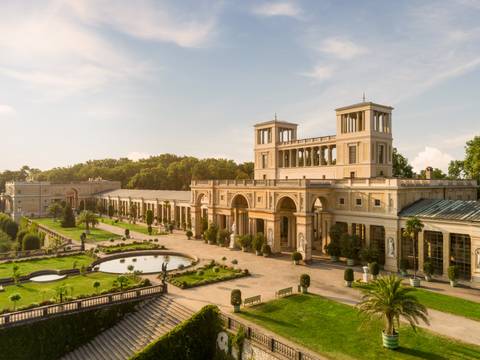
(232, 236)
(390, 247)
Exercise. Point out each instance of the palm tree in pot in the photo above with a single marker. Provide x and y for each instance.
(387, 299)
(413, 227)
(428, 270)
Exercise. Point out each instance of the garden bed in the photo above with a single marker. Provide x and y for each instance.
(139, 228)
(205, 275)
(135, 246)
(74, 233)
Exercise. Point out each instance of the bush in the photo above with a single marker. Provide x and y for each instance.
(8, 226)
(195, 339)
(216, 269)
(127, 233)
(453, 272)
(68, 218)
(223, 237)
(149, 229)
(348, 274)
(266, 249)
(245, 241)
(258, 241)
(305, 280)
(189, 234)
(200, 272)
(428, 268)
(369, 255)
(404, 265)
(296, 256)
(211, 233)
(234, 261)
(374, 268)
(6, 243)
(350, 246)
(333, 248)
(31, 242)
(236, 297)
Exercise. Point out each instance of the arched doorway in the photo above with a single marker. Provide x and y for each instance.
(286, 209)
(319, 224)
(240, 215)
(72, 198)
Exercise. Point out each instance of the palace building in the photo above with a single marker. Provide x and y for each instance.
(301, 188)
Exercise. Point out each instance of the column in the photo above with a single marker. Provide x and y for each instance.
(196, 221)
(391, 262)
(304, 234)
(446, 252)
(329, 154)
(421, 250)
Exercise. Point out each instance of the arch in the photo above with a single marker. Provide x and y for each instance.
(239, 201)
(199, 200)
(71, 197)
(318, 202)
(320, 223)
(286, 203)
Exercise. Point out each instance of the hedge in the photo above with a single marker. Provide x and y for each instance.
(194, 339)
(55, 337)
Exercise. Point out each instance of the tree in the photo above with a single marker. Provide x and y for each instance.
(412, 227)
(437, 174)
(149, 217)
(401, 167)
(111, 211)
(68, 218)
(122, 281)
(62, 291)
(31, 241)
(472, 158)
(55, 210)
(456, 169)
(387, 299)
(89, 219)
(16, 273)
(15, 298)
(133, 212)
(96, 286)
(6, 242)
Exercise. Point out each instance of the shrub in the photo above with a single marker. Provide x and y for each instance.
(428, 268)
(258, 241)
(6, 243)
(200, 272)
(234, 261)
(348, 274)
(333, 248)
(305, 280)
(266, 249)
(404, 265)
(453, 272)
(127, 233)
(211, 233)
(296, 256)
(216, 269)
(68, 218)
(236, 297)
(189, 234)
(223, 237)
(31, 242)
(369, 255)
(350, 246)
(374, 268)
(149, 229)
(245, 241)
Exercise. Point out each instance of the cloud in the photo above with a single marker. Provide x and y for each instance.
(278, 8)
(320, 73)
(135, 155)
(6, 110)
(150, 20)
(433, 157)
(342, 48)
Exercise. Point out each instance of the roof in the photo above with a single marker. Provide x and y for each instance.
(276, 122)
(161, 195)
(365, 103)
(459, 210)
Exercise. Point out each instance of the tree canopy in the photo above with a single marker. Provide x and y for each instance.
(401, 167)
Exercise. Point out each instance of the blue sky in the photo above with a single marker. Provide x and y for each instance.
(94, 79)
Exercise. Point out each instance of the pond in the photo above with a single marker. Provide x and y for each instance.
(47, 278)
(147, 264)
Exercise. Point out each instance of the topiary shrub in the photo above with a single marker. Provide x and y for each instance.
(304, 282)
(266, 250)
(348, 276)
(189, 234)
(127, 233)
(453, 273)
(236, 299)
(31, 242)
(296, 257)
(257, 242)
(374, 268)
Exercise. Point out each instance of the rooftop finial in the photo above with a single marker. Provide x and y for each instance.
(364, 96)
(275, 116)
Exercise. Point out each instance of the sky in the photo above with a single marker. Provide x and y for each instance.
(97, 79)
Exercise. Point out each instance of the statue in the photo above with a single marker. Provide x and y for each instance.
(270, 237)
(232, 236)
(477, 252)
(390, 247)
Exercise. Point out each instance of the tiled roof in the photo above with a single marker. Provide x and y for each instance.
(459, 210)
(170, 195)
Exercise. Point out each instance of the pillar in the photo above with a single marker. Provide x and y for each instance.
(421, 250)
(196, 221)
(304, 234)
(392, 261)
(446, 252)
(329, 155)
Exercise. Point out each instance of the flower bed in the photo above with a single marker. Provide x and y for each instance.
(208, 274)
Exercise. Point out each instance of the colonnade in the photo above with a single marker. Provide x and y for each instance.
(307, 156)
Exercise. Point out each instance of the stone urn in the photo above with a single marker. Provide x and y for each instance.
(348, 283)
(365, 273)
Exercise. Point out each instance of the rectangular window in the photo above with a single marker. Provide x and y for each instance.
(381, 153)
(377, 241)
(358, 202)
(264, 136)
(460, 248)
(264, 161)
(433, 250)
(341, 201)
(352, 154)
(377, 202)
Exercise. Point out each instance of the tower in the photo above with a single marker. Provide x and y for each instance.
(364, 140)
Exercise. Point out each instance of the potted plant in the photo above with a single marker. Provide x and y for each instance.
(266, 250)
(412, 227)
(389, 299)
(257, 243)
(223, 237)
(189, 234)
(369, 254)
(333, 249)
(348, 277)
(296, 257)
(211, 234)
(404, 267)
(428, 270)
(304, 283)
(127, 233)
(453, 275)
(350, 247)
(374, 269)
(236, 299)
(245, 242)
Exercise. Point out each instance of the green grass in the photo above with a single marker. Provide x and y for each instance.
(132, 227)
(208, 274)
(131, 246)
(449, 304)
(75, 233)
(336, 330)
(37, 292)
(54, 263)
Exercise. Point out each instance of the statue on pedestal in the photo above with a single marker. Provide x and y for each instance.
(232, 236)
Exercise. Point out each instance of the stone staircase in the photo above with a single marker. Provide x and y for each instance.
(135, 331)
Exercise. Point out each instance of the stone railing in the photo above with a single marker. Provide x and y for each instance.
(266, 341)
(44, 312)
(313, 140)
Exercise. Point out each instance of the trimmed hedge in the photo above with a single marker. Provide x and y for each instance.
(194, 339)
(55, 337)
(137, 245)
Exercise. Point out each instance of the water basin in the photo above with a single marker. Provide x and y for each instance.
(147, 264)
(47, 278)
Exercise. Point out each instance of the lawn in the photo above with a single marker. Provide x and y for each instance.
(75, 233)
(37, 292)
(336, 331)
(54, 263)
(205, 275)
(132, 227)
(449, 304)
(131, 246)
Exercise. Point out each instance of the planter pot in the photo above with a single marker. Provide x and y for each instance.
(374, 277)
(211, 242)
(403, 272)
(334, 258)
(296, 262)
(348, 283)
(390, 341)
(304, 289)
(453, 283)
(415, 282)
(236, 308)
(350, 262)
(244, 249)
(266, 255)
(258, 253)
(428, 278)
